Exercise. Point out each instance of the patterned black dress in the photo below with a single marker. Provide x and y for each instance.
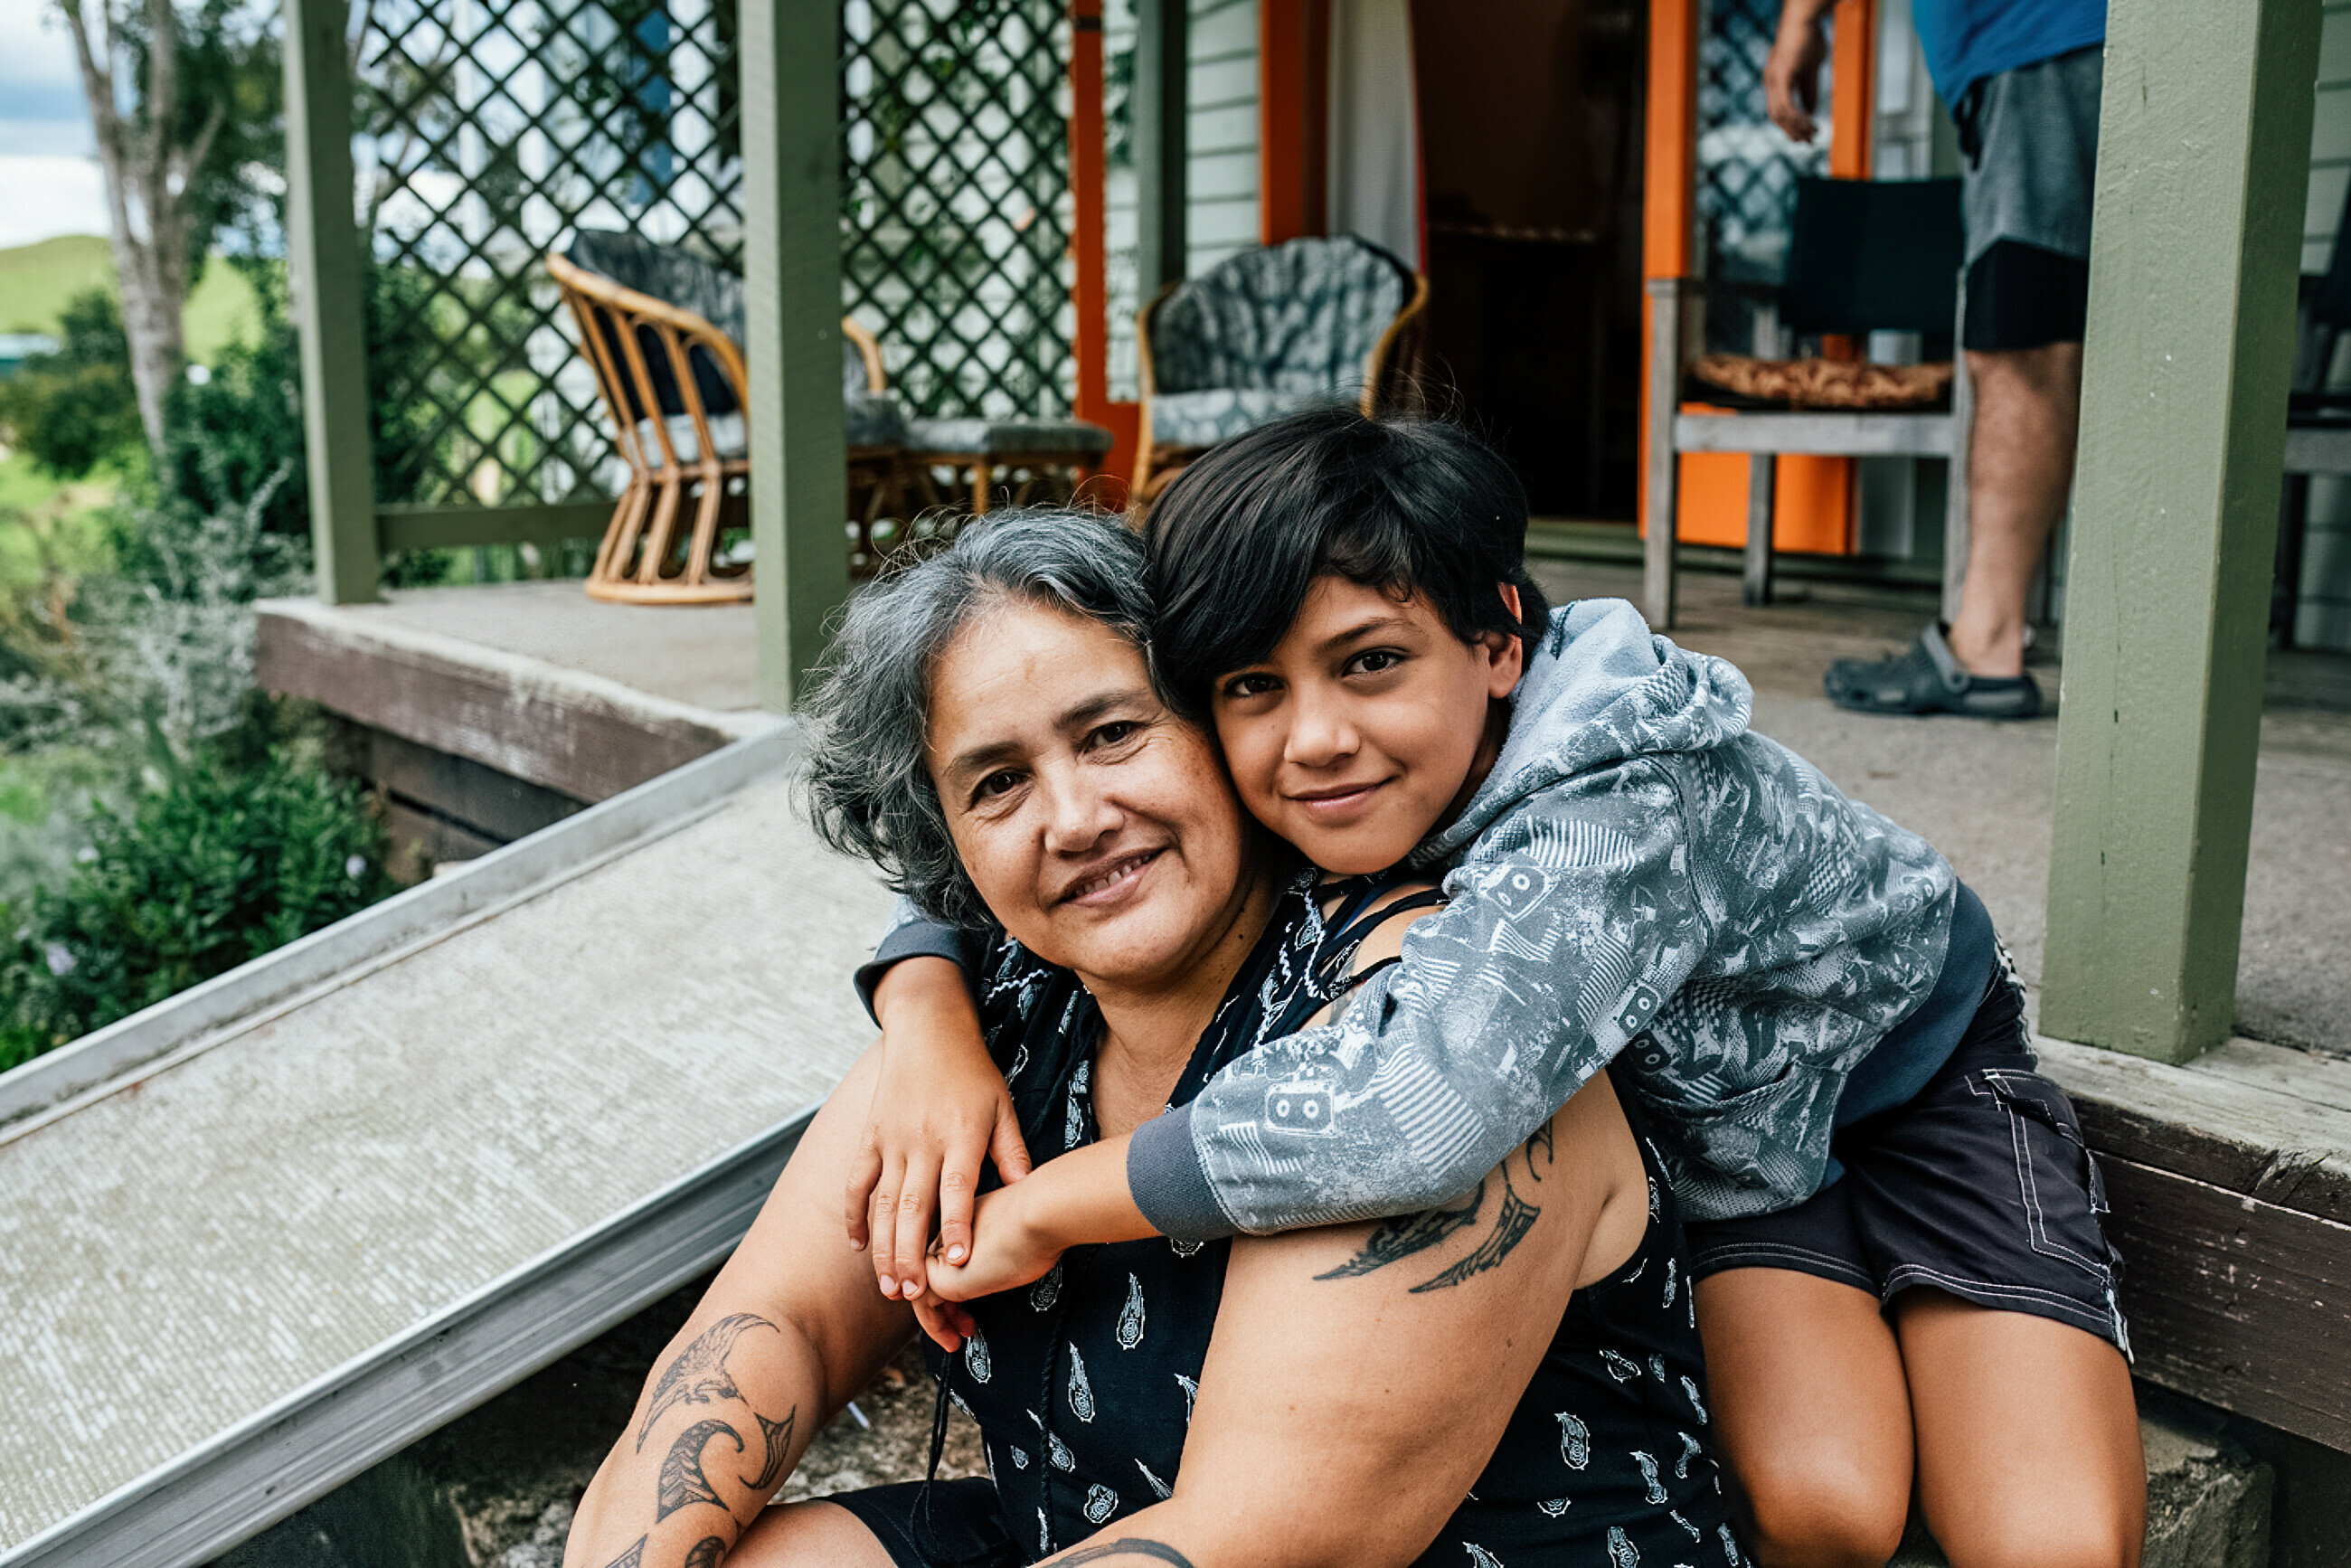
(1083, 1384)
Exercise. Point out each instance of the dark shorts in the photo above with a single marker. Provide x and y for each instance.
(2030, 141)
(960, 1525)
(1980, 1185)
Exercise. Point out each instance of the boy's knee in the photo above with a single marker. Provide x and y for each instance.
(2082, 1537)
(1824, 1519)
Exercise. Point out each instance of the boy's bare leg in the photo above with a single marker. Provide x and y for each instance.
(1812, 1413)
(2028, 1437)
(2019, 470)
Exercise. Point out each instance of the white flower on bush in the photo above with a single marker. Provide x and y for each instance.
(355, 867)
(60, 959)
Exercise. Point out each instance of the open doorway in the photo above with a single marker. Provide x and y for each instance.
(1531, 163)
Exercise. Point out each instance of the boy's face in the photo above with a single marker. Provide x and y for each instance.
(1366, 727)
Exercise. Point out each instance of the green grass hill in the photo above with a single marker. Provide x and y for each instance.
(36, 281)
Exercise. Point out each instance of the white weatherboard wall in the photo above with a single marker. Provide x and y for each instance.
(1220, 213)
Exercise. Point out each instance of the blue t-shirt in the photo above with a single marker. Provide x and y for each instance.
(1967, 40)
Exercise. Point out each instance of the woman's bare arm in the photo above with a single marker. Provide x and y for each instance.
(788, 1332)
(1361, 1375)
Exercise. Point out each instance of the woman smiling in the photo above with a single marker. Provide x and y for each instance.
(1515, 1374)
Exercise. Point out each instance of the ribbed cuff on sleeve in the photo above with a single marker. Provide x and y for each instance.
(1168, 1182)
(915, 939)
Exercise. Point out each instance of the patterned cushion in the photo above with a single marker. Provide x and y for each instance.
(678, 276)
(667, 272)
(1300, 319)
(869, 419)
(1205, 418)
(997, 436)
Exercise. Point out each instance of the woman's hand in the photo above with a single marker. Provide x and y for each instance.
(1078, 1199)
(940, 1109)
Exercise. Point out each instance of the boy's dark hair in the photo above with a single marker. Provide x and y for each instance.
(1397, 504)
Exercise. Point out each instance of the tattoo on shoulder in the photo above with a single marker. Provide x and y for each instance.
(632, 1557)
(706, 1553)
(1399, 1238)
(699, 1374)
(1128, 1546)
(778, 1435)
(682, 1482)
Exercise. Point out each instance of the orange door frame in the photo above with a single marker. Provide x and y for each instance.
(1815, 495)
(1293, 64)
(1090, 295)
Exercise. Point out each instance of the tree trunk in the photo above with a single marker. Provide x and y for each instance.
(149, 180)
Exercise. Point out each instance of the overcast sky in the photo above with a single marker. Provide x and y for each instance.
(49, 181)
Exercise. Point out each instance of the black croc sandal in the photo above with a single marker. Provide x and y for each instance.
(1928, 679)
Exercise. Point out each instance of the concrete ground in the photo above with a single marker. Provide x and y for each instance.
(1980, 791)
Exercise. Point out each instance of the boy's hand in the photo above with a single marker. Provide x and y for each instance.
(1007, 1252)
(940, 1109)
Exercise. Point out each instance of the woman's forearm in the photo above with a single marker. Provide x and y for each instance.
(724, 1417)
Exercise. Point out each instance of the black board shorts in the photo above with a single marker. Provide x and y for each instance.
(1979, 1185)
(959, 1524)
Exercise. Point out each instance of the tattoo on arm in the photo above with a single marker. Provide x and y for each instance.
(1408, 1234)
(699, 1374)
(706, 1553)
(633, 1556)
(1130, 1546)
(1400, 1238)
(779, 1441)
(682, 1481)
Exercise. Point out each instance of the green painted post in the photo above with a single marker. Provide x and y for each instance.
(791, 210)
(2204, 142)
(323, 256)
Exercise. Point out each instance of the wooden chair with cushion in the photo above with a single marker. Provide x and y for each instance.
(661, 328)
(1266, 333)
(1863, 256)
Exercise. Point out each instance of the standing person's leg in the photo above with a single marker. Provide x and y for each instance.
(2020, 471)
(2031, 139)
(2027, 1438)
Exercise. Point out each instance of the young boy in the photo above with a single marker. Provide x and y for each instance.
(1817, 1014)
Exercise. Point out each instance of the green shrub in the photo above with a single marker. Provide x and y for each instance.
(73, 410)
(222, 863)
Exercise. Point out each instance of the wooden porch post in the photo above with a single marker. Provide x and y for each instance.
(791, 273)
(1157, 112)
(1293, 62)
(322, 257)
(2204, 138)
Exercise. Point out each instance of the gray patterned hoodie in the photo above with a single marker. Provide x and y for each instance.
(1639, 870)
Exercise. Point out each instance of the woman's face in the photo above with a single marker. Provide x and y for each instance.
(1097, 826)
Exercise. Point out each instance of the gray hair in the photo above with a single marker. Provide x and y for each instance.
(868, 788)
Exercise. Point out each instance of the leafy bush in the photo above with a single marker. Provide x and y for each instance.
(73, 410)
(222, 862)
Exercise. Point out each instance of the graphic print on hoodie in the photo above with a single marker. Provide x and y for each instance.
(1640, 870)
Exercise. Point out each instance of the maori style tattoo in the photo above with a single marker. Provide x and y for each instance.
(706, 1553)
(1407, 1234)
(1130, 1546)
(683, 1482)
(699, 1374)
(1400, 1238)
(778, 1435)
(632, 1557)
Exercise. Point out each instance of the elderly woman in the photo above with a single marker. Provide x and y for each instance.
(1516, 1374)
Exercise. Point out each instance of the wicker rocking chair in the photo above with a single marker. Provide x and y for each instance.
(661, 328)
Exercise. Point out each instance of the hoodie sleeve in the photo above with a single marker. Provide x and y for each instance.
(1571, 921)
(912, 934)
